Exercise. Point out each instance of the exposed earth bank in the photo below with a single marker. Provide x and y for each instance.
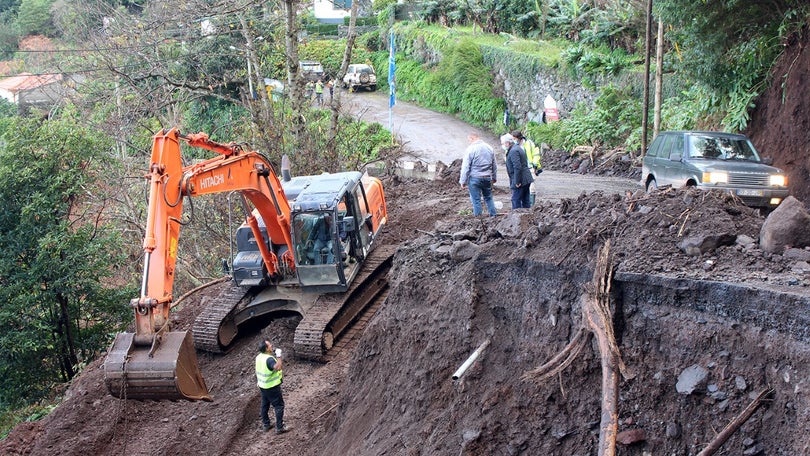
(516, 281)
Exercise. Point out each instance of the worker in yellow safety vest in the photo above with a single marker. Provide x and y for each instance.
(269, 377)
(535, 156)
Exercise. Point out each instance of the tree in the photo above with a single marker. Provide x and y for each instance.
(728, 47)
(57, 255)
(34, 17)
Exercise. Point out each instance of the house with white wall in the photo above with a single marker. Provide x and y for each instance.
(331, 11)
(27, 89)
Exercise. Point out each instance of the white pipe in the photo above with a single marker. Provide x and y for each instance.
(457, 374)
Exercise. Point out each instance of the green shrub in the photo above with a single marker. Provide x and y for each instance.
(608, 124)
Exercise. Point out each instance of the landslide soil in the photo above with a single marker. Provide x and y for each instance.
(390, 392)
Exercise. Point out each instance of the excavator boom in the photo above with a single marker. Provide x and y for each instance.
(155, 362)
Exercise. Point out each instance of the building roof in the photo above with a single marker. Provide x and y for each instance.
(27, 81)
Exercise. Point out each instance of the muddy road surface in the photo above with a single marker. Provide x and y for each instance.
(433, 137)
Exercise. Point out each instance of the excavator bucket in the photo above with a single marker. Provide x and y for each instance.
(171, 372)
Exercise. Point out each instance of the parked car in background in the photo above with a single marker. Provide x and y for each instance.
(713, 160)
(360, 75)
(312, 70)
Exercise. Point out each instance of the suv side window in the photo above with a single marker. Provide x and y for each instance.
(666, 146)
(677, 146)
(655, 147)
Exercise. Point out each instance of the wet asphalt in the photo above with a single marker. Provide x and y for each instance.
(432, 137)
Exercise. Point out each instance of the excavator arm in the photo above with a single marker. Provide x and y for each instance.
(155, 363)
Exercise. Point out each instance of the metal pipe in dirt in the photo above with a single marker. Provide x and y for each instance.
(458, 373)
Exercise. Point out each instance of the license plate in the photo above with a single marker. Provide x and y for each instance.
(749, 192)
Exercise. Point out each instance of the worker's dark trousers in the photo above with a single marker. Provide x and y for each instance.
(272, 396)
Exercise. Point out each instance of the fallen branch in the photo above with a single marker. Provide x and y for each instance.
(596, 319)
(201, 287)
(324, 413)
(735, 424)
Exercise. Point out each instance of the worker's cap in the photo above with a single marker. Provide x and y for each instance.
(517, 134)
(262, 347)
(507, 138)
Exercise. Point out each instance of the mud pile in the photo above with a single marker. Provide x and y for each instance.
(515, 281)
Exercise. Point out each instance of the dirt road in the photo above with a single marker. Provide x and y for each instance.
(432, 137)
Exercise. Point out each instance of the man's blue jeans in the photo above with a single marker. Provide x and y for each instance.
(479, 187)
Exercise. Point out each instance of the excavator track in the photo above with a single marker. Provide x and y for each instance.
(215, 327)
(333, 313)
(349, 338)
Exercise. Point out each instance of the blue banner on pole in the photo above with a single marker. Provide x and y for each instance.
(392, 80)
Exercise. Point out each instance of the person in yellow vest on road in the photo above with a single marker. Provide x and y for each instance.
(319, 92)
(269, 377)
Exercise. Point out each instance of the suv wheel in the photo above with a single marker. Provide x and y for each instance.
(364, 78)
(372, 87)
(652, 185)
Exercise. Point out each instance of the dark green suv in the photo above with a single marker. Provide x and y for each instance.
(713, 160)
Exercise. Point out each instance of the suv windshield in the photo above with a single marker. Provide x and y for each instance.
(721, 148)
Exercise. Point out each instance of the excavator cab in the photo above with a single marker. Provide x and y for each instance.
(331, 234)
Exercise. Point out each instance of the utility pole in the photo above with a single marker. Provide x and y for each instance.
(646, 105)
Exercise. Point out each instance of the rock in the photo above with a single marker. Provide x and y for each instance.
(463, 250)
(631, 436)
(753, 450)
(466, 234)
(469, 435)
(797, 254)
(800, 267)
(739, 383)
(748, 441)
(514, 224)
(691, 378)
(785, 227)
(746, 242)
(673, 431)
(698, 245)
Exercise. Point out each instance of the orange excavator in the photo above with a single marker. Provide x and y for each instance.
(308, 246)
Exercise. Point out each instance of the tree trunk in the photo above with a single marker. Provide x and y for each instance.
(295, 84)
(64, 332)
(257, 102)
(645, 108)
(659, 76)
(331, 145)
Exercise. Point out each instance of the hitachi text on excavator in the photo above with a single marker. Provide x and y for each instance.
(308, 246)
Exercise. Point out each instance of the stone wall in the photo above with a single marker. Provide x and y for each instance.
(524, 98)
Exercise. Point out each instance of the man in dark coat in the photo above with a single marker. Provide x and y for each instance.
(520, 175)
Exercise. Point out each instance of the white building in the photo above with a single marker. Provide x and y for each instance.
(27, 89)
(332, 12)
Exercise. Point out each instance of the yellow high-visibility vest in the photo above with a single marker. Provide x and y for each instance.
(265, 377)
(532, 153)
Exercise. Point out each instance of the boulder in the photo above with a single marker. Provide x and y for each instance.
(698, 245)
(514, 224)
(787, 226)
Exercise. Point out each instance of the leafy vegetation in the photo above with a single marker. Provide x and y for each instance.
(57, 256)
